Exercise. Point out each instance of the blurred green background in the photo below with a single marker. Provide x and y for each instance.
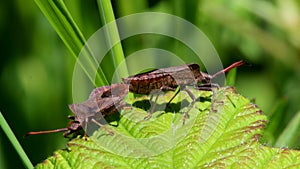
(36, 67)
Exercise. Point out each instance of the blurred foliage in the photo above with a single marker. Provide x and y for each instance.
(36, 68)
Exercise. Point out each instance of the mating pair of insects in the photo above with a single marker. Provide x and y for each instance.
(106, 100)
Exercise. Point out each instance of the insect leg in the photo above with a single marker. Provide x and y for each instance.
(173, 96)
(104, 127)
(207, 86)
(68, 132)
(85, 129)
(154, 103)
(210, 87)
(163, 88)
(186, 115)
(214, 100)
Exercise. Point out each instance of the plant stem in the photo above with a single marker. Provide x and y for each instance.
(7, 130)
(112, 34)
(63, 23)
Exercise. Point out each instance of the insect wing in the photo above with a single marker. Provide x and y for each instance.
(100, 91)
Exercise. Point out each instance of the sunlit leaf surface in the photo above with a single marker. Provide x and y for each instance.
(222, 131)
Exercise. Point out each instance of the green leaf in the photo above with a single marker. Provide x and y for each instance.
(63, 23)
(112, 35)
(287, 137)
(230, 78)
(219, 134)
(60, 18)
(273, 130)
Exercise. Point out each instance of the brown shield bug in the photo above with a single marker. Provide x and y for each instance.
(170, 78)
(103, 101)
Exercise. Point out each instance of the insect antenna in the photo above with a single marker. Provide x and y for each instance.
(46, 131)
(234, 65)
